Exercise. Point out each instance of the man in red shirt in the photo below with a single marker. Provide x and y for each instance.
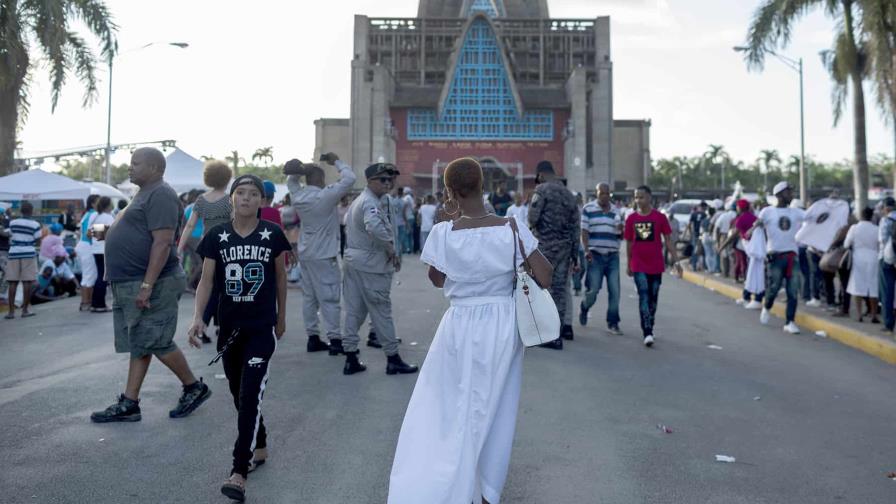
(646, 263)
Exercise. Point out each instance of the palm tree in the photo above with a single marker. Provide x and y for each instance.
(766, 160)
(235, 160)
(772, 27)
(717, 157)
(266, 154)
(880, 28)
(40, 32)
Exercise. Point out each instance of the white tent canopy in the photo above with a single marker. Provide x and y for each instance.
(105, 190)
(183, 172)
(41, 185)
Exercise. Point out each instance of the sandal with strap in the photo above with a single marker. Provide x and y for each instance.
(234, 488)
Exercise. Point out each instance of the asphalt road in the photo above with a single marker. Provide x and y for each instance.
(808, 420)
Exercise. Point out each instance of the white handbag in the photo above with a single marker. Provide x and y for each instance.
(537, 318)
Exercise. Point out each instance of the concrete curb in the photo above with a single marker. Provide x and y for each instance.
(881, 348)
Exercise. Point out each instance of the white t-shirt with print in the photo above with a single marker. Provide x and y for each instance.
(781, 225)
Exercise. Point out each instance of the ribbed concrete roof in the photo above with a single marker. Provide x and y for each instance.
(456, 8)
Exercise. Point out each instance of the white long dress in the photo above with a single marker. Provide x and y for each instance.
(458, 430)
(862, 237)
(755, 249)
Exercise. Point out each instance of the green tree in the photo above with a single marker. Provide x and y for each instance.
(880, 29)
(771, 28)
(265, 154)
(33, 32)
(91, 169)
(768, 161)
(719, 160)
(234, 159)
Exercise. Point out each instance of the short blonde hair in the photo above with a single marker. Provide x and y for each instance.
(463, 177)
(216, 174)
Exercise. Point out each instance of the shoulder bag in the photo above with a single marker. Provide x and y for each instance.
(537, 318)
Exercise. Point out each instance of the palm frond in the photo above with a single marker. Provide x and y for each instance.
(84, 66)
(772, 27)
(99, 19)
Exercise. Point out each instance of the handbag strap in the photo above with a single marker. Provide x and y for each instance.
(518, 245)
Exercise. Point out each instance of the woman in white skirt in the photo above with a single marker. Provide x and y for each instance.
(84, 253)
(863, 281)
(457, 434)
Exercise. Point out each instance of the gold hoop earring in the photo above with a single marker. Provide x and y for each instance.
(456, 207)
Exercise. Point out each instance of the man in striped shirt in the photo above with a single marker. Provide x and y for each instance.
(22, 266)
(602, 228)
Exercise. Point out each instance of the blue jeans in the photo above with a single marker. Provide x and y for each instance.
(577, 277)
(777, 267)
(408, 242)
(710, 254)
(887, 280)
(600, 267)
(648, 286)
(402, 237)
(696, 257)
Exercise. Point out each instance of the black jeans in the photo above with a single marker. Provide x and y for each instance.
(648, 286)
(99, 288)
(211, 308)
(246, 362)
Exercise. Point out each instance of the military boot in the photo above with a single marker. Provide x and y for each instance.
(397, 366)
(566, 332)
(336, 347)
(315, 344)
(352, 364)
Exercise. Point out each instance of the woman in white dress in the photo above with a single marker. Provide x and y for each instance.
(457, 434)
(862, 239)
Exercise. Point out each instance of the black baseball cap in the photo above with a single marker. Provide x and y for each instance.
(247, 179)
(889, 202)
(544, 167)
(377, 169)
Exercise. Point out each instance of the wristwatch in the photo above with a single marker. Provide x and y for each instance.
(145, 285)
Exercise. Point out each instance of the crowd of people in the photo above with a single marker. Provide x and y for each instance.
(237, 249)
(826, 256)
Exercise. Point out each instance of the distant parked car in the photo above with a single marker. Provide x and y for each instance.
(680, 210)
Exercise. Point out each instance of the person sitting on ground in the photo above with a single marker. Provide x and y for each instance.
(63, 279)
(49, 243)
(43, 290)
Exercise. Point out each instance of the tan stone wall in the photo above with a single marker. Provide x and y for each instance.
(631, 152)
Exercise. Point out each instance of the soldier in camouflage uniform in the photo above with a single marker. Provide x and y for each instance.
(554, 220)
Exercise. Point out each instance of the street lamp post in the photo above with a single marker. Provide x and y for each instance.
(108, 153)
(796, 66)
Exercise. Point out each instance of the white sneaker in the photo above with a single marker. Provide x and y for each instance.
(791, 328)
(764, 316)
(740, 301)
(814, 303)
(753, 305)
(648, 341)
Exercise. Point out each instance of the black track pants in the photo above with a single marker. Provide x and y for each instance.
(246, 362)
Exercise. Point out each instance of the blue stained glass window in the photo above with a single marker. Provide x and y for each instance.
(480, 103)
(491, 8)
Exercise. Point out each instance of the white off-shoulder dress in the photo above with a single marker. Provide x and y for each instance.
(458, 430)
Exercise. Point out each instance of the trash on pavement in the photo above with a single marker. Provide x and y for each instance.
(892, 476)
(714, 347)
(725, 458)
(102, 439)
(220, 376)
(413, 343)
(821, 334)
(757, 398)
(665, 429)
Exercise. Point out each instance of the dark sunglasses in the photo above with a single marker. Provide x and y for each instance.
(384, 180)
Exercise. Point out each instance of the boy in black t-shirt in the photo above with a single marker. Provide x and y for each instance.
(243, 259)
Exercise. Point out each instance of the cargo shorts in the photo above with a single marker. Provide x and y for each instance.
(150, 331)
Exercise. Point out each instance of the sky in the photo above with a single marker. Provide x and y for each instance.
(259, 76)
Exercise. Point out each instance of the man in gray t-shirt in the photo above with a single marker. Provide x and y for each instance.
(146, 286)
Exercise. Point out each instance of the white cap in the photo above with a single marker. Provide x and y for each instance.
(716, 203)
(780, 186)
